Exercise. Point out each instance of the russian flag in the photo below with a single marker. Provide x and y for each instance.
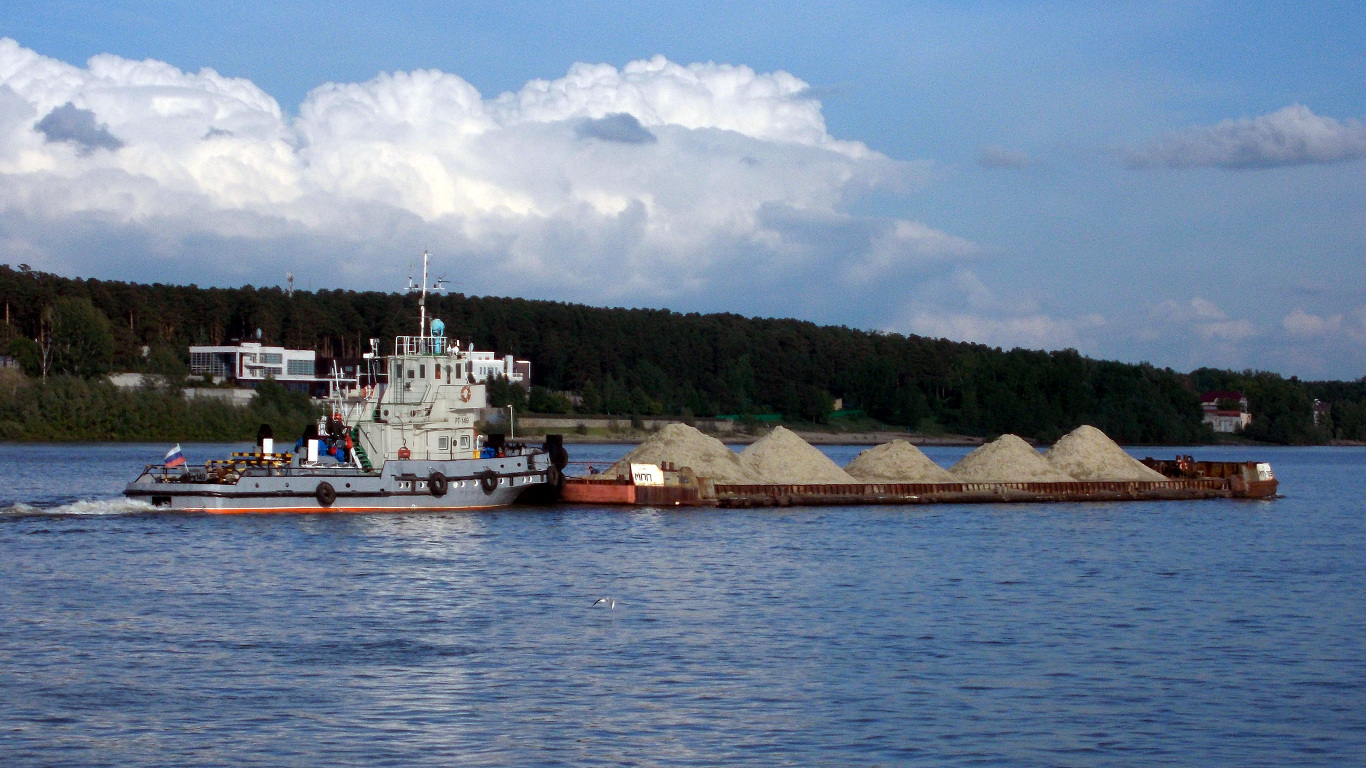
(174, 458)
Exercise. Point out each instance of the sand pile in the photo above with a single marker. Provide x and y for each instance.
(897, 462)
(1087, 454)
(686, 447)
(1007, 459)
(783, 457)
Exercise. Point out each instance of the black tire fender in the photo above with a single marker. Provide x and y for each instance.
(326, 493)
(488, 480)
(437, 484)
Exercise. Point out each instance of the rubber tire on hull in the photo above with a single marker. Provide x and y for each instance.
(326, 493)
(436, 483)
(488, 480)
(544, 493)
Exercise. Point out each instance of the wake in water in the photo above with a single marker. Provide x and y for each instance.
(85, 507)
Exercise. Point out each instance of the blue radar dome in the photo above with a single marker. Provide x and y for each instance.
(438, 327)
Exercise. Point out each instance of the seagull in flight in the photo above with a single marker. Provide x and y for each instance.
(611, 603)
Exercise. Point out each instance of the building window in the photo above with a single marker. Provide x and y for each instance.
(422, 371)
(273, 371)
(209, 362)
(271, 358)
(300, 367)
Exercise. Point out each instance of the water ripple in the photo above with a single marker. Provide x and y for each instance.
(1188, 633)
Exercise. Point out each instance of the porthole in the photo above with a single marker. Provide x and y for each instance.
(348, 485)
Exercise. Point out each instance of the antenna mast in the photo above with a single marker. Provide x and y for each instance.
(422, 331)
(438, 286)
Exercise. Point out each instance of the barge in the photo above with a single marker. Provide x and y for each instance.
(666, 486)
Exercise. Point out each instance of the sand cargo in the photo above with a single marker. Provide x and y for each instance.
(1085, 466)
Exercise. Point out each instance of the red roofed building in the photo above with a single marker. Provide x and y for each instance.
(1225, 410)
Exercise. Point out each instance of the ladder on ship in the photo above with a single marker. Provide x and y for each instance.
(360, 450)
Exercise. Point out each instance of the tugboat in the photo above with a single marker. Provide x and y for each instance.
(409, 441)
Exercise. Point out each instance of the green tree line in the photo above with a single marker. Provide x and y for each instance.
(652, 362)
(64, 408)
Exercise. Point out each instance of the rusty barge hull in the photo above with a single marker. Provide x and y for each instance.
(985, 493)
(706, 494)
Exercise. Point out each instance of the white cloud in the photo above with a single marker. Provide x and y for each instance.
(1290, 136)
(636, 184)
(1202, 317)
(1301, 323)
(963, 308)
(1036, 331)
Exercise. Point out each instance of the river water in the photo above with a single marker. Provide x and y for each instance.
(1174, 633)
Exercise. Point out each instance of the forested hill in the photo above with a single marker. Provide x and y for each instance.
(655, 361)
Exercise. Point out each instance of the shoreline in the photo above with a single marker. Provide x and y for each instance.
(742, 438)
(734, 438)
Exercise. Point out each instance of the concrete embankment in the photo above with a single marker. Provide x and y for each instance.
(619, 429)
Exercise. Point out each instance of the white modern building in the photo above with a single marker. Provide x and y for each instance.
(250, 362)
(485, 364)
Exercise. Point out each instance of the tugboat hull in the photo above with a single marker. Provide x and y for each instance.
(402, 486)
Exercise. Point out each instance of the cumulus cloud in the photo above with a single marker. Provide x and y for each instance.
(1290, 136)
(73, 124)
(1301, 323)
(1036, 331)
(993, 156)
(640, 184)
(1204, 318)
(963, 308)
(1349, 326)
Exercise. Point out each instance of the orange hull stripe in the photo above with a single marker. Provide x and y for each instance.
(328, 510)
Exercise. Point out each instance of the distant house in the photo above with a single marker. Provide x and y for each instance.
(249, 363)
(8, 361)
(1225, 410)
(1321, 411)
(486, 364)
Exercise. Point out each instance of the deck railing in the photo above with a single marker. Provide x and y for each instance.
(423, 345)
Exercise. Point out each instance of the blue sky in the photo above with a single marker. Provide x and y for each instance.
(1183, 183)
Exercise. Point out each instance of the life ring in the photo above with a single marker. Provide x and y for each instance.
(488, 481)
(326, 493)
(465, 394)
(436, 483)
